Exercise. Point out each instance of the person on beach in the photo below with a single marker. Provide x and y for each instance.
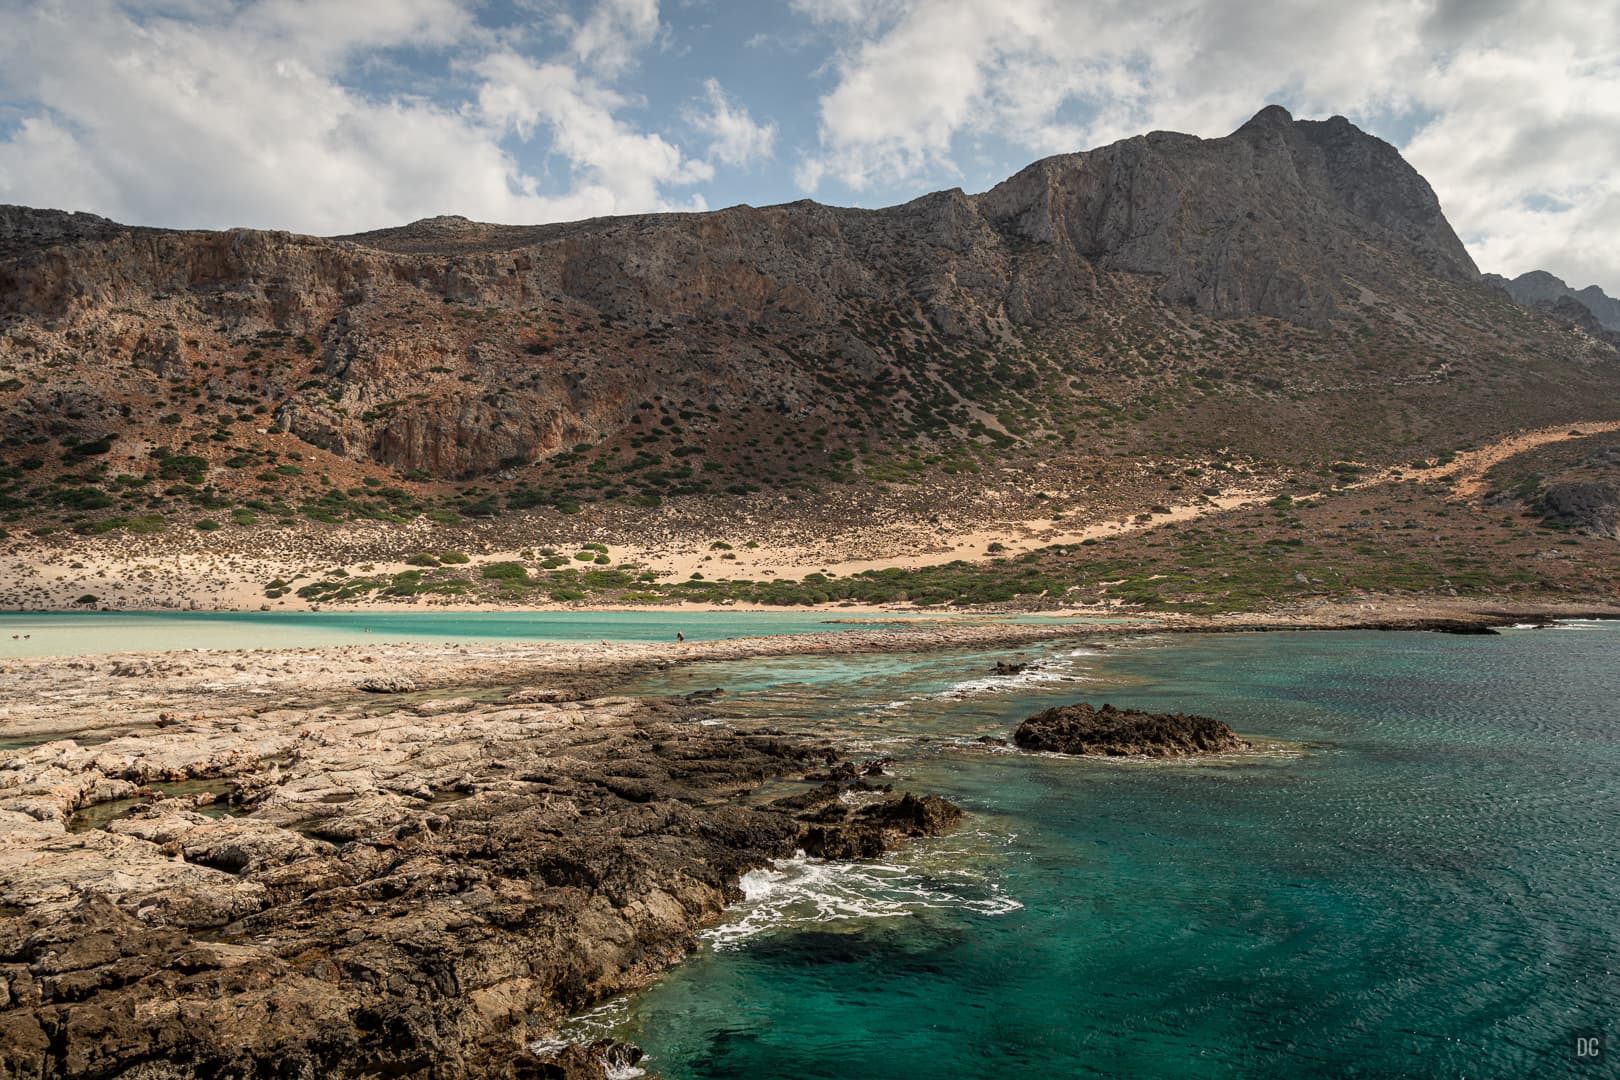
(679, 637)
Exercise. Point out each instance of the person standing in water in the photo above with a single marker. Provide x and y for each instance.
(679, 636)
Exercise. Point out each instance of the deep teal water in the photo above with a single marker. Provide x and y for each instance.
(1431, 888)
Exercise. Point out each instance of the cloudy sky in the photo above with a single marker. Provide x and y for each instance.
(339, 115)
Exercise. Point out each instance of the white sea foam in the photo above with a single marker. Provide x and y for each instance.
(802, 892)
(548, 1047)
(1059, 668)
(599, 1022)
(1008, 684)
(604, 1021)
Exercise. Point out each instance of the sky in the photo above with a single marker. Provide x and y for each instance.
(338, 116)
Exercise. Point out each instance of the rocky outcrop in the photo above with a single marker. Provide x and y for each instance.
(422, 893)
(1592, 507)
(1111, 732)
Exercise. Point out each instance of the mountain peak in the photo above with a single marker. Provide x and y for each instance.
(1272, 116)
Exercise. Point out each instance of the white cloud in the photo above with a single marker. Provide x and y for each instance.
(228, 114)
(1518, 100)
(614, 32)
(734, 136)
(616, 164)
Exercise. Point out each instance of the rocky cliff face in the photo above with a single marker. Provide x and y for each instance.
(1276, 219)
(453, 349)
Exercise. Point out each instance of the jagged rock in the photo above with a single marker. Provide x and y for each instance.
(872, 830)
(1111, 732)
(1004, 668)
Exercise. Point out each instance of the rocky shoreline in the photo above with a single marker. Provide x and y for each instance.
(418, 886)
(412, 860)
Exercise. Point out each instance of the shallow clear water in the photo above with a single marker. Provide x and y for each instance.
(1430, 889)
(82, 633)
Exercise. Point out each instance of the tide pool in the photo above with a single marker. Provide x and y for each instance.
(1428, 889)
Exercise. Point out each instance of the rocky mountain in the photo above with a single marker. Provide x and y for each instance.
(1541, 289)
(1291, 291)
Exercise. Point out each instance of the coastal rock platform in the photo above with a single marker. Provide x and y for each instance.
(416, 887)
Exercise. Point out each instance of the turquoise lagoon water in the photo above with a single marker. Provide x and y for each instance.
(81, 633)
(1421, 879)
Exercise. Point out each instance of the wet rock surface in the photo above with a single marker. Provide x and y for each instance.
(1111, 732)
(422, 891)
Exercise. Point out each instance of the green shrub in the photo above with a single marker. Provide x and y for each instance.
(453, 558)
(504, 571)
(182, 467)
(422, 559)
(92, 449)
(205, 525)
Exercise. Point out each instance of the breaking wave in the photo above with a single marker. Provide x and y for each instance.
(801, 892)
